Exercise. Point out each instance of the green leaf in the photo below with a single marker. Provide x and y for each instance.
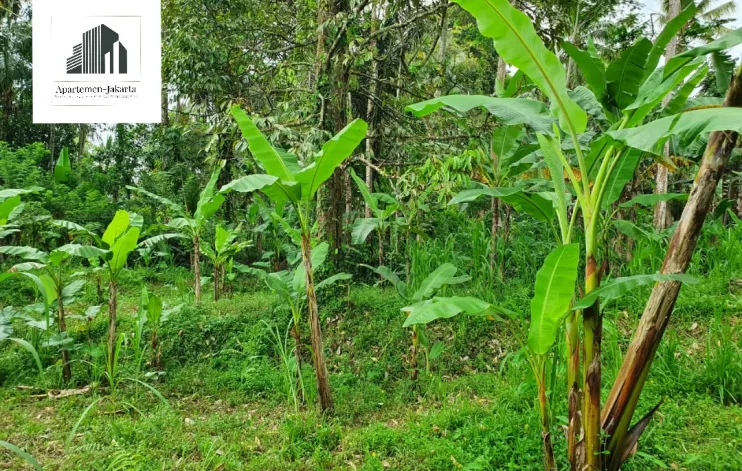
(69, 291)
(154, 309)
(63, 167)
(370, 200)
(534, 205)
(176, 208)
(616, 288)
(389, 275)
(26, 253)
(121, 249)
(622, 173)
(332, 280)
(723, 70)
(678, 101)
(509, 111)
(30, 349)
(728, 41)
(264, 153)
(428, 311)
(555, 286)
(13, 192)
(116, 228)
(74, 227)
(626, 75)
(670, 30)
(471, 195)
(361, 229)
(333, 154)
(687, 126)
(249, 184)
(653, 198)
(551, 149)
(443, 275)
(152, 241)
(518, 44)
(593, 70)
(7, 207)
(80, 420)
(25, 456)
(82, 251)
(505, 141)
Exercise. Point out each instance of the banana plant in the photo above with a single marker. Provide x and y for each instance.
(223, 251)
(154, 312)
(290, 286)
(423, 298)
(11, 207)
(55, 285)
(498, 165)
(382, 216)
(115, 245)
(285, 181)
(188, 225)
(624, 101)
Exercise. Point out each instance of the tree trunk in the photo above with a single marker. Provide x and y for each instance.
(370, 106)
(197, 268)
(66, 369)
(318, 350)
(662, 217)
(111, 327)
(622, 401)
(502, 71)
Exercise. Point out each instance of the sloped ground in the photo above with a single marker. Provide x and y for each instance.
(228, 409)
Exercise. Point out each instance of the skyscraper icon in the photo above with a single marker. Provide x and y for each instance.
(100, 52)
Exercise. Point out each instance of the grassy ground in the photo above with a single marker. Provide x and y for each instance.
(227, 407)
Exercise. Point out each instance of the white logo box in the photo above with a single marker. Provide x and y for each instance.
(97, 61)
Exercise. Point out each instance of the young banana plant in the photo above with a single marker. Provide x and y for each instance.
(624, 101)
(290, 286)
(115, 245)
(52, 283)
(382, 216)
(225, 247)
(189, 225)
(422, 302)
(285, 181)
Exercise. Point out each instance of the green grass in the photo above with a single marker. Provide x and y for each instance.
(475, 411)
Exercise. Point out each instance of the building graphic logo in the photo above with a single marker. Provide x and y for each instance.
(100, 52)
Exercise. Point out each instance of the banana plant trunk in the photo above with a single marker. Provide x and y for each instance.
(624, 396)
(66, 369)
(297, 356)
(381, 247)
(589, 457)
(111, 325)
(196, 268)
(573, 388)
(318, 351)
(493, 233)
(156, 350)
(216, 283)
(547, 445)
